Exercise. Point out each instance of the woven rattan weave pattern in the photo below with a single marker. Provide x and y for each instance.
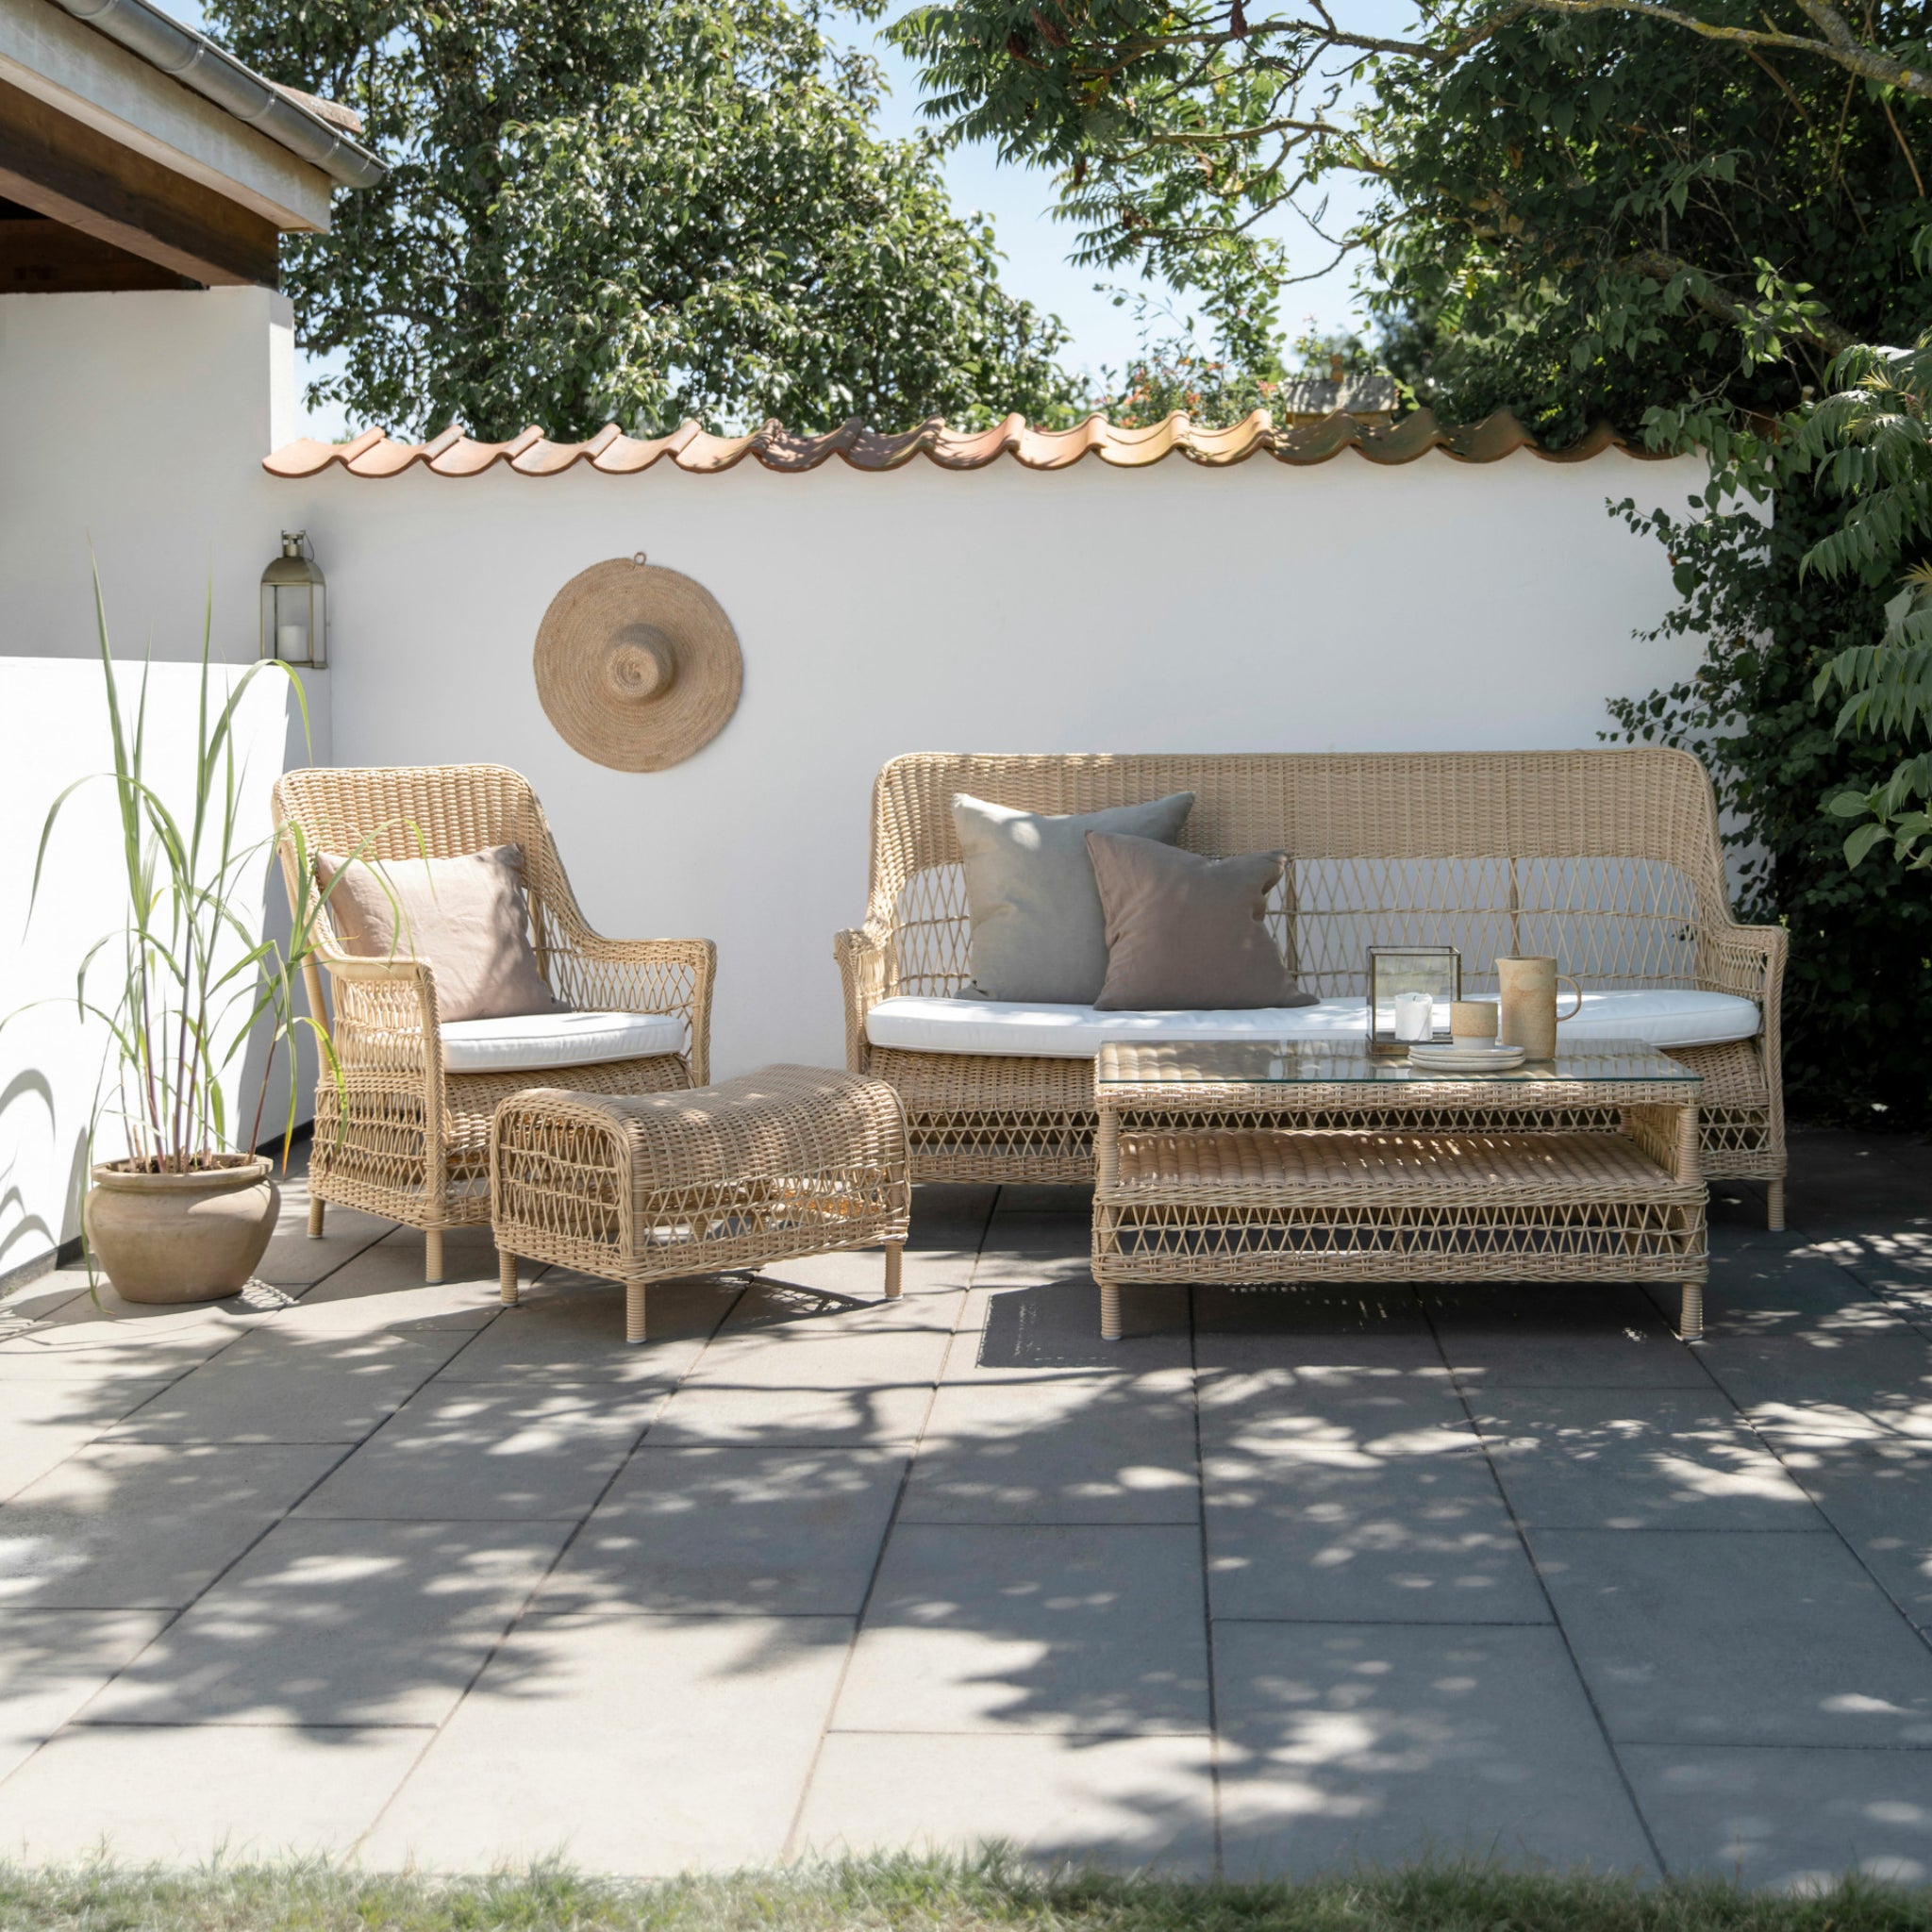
(1272, 1180)
(1609, 859)
(400, 1137)
(635, 1188)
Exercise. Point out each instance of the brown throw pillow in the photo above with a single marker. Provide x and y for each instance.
(1187, 933)
(466, 916)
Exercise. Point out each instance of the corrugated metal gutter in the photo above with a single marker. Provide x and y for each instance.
(213, 73)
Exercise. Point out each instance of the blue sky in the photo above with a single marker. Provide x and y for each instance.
(1036, 247)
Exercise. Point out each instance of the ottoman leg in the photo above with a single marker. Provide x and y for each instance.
(634, 1312)
(432, 1256)
(895, 1254)
(507, 1278)
(315, 1207)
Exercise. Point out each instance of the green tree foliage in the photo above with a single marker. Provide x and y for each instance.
(636, 211)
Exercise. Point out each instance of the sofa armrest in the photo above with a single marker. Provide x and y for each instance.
(596, 974)
(864, 957)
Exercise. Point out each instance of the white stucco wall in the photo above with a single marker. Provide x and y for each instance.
(1349, 606)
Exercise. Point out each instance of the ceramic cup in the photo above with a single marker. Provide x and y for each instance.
(1473, 1022)
(1529, 1005)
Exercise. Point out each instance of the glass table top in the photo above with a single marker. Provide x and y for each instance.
(1334, 1063)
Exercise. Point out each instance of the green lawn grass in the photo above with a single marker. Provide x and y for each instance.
(991, 1894)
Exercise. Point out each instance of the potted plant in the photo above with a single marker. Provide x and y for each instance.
(182, 986)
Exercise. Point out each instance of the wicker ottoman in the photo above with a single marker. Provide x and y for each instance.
(647, 1186)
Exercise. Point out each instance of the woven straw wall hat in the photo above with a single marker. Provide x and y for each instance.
(636, 666)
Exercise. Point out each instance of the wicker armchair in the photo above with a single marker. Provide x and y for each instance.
(399, 1136)
(1609, 859)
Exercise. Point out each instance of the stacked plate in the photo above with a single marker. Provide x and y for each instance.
(1485, 1056)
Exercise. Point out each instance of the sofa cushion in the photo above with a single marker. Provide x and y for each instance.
(1038, 930)
(1655, 1016)
(532, 1040)
(468, 916)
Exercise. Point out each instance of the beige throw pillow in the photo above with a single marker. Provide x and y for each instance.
(467, 917)
(1038, 933)
(1186, 933)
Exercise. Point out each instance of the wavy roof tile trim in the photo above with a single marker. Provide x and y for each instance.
(452, 454)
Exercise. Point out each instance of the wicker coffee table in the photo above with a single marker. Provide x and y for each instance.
(1274, 1164)
(647, 1186)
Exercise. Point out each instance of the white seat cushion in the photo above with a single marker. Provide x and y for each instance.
(527, 1041)
(1657, 1016)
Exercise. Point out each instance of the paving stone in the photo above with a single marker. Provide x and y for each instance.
(1346, 1744)
(1346, 1404)
(487, 1451)
(1139, 1803)
(569, 1328)
(1315, 1310)
(1763, 1283)
(145, 1525)
(328, 1622)
(1826, 1388)
(1071, 1628)
(1785, 1820)
(149, 1792)
(274, 1391)
(791, 1532)
(1072, 1449)
(52, 1662)
(835, 1298)
(1736, 1637)
(820, 1391)
(1409, 1539)
(1878, 1497)
(665, 1745)
(44, 1419)
(1564, 1336)
(1634, 1459)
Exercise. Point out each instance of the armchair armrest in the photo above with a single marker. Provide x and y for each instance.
(1747, 960)
(864, 955)
(385, 1014)
(642, 976)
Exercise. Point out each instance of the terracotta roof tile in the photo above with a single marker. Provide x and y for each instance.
(1300, 442)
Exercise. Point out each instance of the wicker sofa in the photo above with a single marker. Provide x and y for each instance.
(1609, 859)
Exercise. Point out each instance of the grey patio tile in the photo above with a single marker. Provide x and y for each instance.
(1763, 1283)
(146, 1792)
(1071, 1628)
(826, 1296)
(1065, 1449)
(821, 1390)
(786, 1532)
(88, 1337)
(138, 1527)
(488, 1451)
(569, 1328)
(1315, 1310)
(294, 1261)
(394, 1265)
(1634, 1459)
(1829, 1387)
(277, 1391)
(1736, 1637)
(35, 1300)
(1367, 1401)
(1878, 1497)
(44, 1421)
(1139, 1803)
(635, 1747)
(1406, 1539)
(1566, 1335)
(1055, 1329)
(1785, 1820)
(1346, 1744)
(337, 1624)
(52, 1662)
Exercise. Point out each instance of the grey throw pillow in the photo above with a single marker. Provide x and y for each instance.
(1187, 933)
(1038, 933)
(466, 916)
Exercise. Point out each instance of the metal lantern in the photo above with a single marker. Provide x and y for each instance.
(294, 613)
(1397, 976)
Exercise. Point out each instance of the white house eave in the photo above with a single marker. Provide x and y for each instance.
(48, 54)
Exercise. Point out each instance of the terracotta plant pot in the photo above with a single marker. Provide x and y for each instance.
(182, 1236)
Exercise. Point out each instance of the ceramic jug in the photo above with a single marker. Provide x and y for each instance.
(1530, 1013)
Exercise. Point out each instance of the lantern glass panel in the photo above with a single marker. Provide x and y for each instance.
(1397, 970)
